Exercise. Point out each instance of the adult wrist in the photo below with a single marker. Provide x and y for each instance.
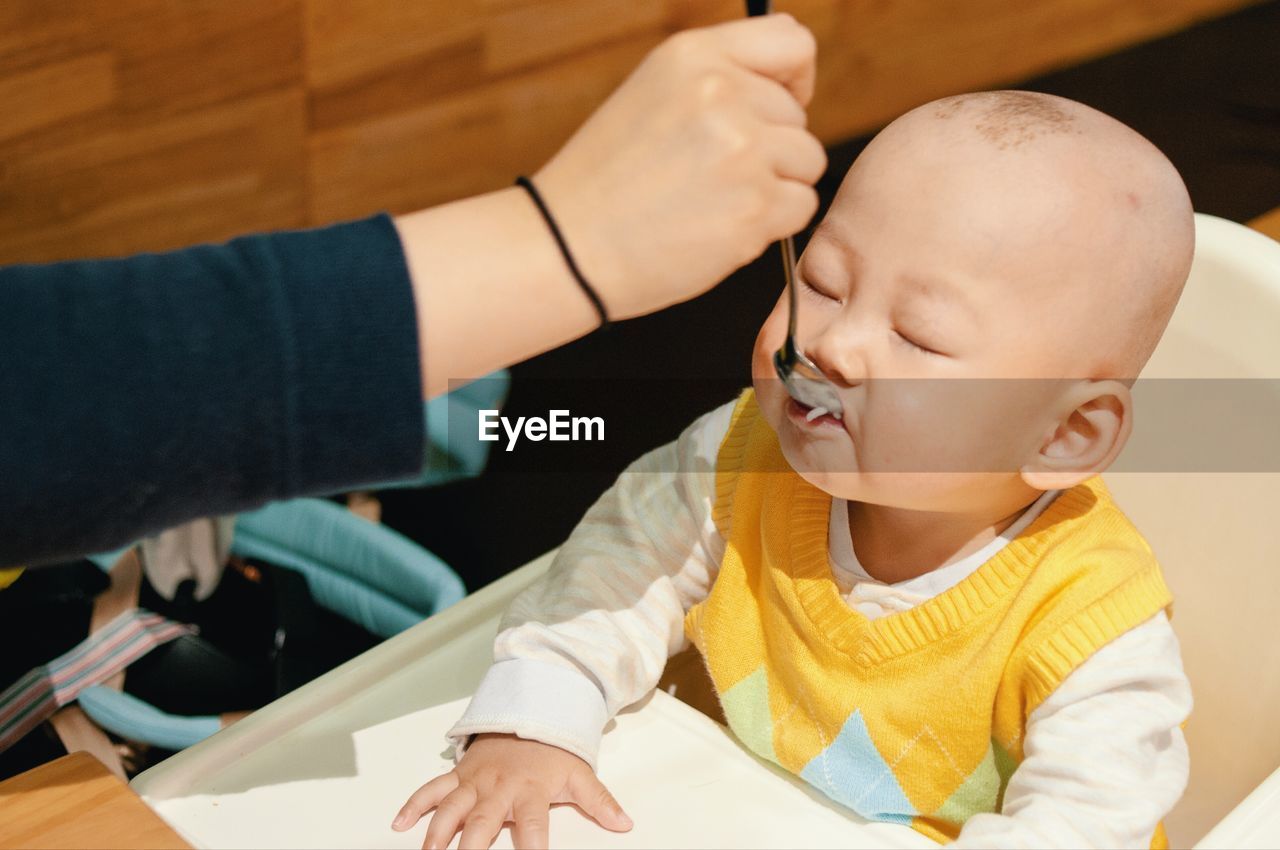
(588, 290)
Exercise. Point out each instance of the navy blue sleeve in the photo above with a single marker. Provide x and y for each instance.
(138, 393)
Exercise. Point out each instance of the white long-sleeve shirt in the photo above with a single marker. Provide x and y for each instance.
(1104, 756)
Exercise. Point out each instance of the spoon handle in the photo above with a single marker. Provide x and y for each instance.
(789, 273)
(756, 8)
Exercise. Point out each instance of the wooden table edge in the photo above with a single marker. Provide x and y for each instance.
(74, 801)
(1268, 223)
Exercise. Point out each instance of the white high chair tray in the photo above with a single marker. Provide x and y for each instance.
(329, 764)
(1254, 824)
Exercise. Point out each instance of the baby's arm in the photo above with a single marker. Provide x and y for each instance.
(594, 635)
(588, 639)
(1104, 757)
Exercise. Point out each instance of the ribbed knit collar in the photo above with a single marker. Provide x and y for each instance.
(871, 641)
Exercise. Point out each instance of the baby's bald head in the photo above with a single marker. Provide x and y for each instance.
(996, 236)
(1087, 223)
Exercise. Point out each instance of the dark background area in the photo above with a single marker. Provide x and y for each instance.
(1209, 97)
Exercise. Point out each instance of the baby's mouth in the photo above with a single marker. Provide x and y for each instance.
(811, 417)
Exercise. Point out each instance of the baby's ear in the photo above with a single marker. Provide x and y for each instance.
(1094, 423)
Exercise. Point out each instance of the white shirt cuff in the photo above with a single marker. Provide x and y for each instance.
(537, 701)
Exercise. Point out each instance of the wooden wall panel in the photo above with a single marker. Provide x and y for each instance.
(495, 89)
(148, 124)
(478, 105)
(55, 92)
(454, 147)
(520, 34)
(145, 124)
(879, 57)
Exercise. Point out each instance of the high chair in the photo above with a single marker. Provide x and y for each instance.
(366, 573)
(1214, 531)
(349, 747)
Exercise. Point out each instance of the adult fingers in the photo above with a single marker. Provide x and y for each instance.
(484, 822)
(589, 793)
(451, 812)
(424, 800)
(777, 46)
(767, 99)
(530, 817)
(795, 154)
(793, 208)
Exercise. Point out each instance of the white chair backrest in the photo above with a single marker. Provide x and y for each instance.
(1217, 533)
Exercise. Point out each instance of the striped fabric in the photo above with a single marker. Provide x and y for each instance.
(37, 695)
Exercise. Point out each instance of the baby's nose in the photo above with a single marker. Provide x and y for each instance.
(840, 358)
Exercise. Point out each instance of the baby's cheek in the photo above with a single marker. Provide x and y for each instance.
(771, 395)
(920, 426)
(981, 434)
(762, 364)
(768, 340)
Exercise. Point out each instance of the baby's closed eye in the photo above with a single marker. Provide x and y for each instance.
(915, 342)
(808, 286)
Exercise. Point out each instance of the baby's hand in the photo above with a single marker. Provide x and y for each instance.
(500, 779)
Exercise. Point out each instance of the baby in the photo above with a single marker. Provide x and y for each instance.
(929, 609)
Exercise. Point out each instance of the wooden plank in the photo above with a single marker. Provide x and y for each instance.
(406, 114)
(465, 99)
(878, 59)
(1268, 223)
(56, 92)
(148, 124)
(521, 33)
(352, 40)
(453, 146)
(198, 176)
(76, 802)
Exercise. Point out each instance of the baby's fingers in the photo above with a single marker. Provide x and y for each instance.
(451, 812)
(590, 794)
(484, 822)
(531, 828)
(424, 800)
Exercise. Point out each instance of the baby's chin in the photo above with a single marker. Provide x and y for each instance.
(850, 486)
(832, 471)
(902, 490)
(935, 492)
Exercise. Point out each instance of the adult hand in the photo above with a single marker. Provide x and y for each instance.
(693, 166)
(688, 171)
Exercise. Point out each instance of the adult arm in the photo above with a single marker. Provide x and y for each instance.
(139, 393)
(688, 171)
(143, 392)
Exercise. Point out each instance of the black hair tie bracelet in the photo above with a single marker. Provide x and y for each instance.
(527, 184)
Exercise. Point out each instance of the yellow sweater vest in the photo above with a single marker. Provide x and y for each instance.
(917, 717)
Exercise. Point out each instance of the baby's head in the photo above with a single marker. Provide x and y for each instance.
(992, 275)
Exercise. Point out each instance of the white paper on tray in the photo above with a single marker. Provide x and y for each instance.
(680, 776)
(328, 765)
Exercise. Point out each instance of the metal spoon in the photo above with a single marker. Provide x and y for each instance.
(802, 378)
